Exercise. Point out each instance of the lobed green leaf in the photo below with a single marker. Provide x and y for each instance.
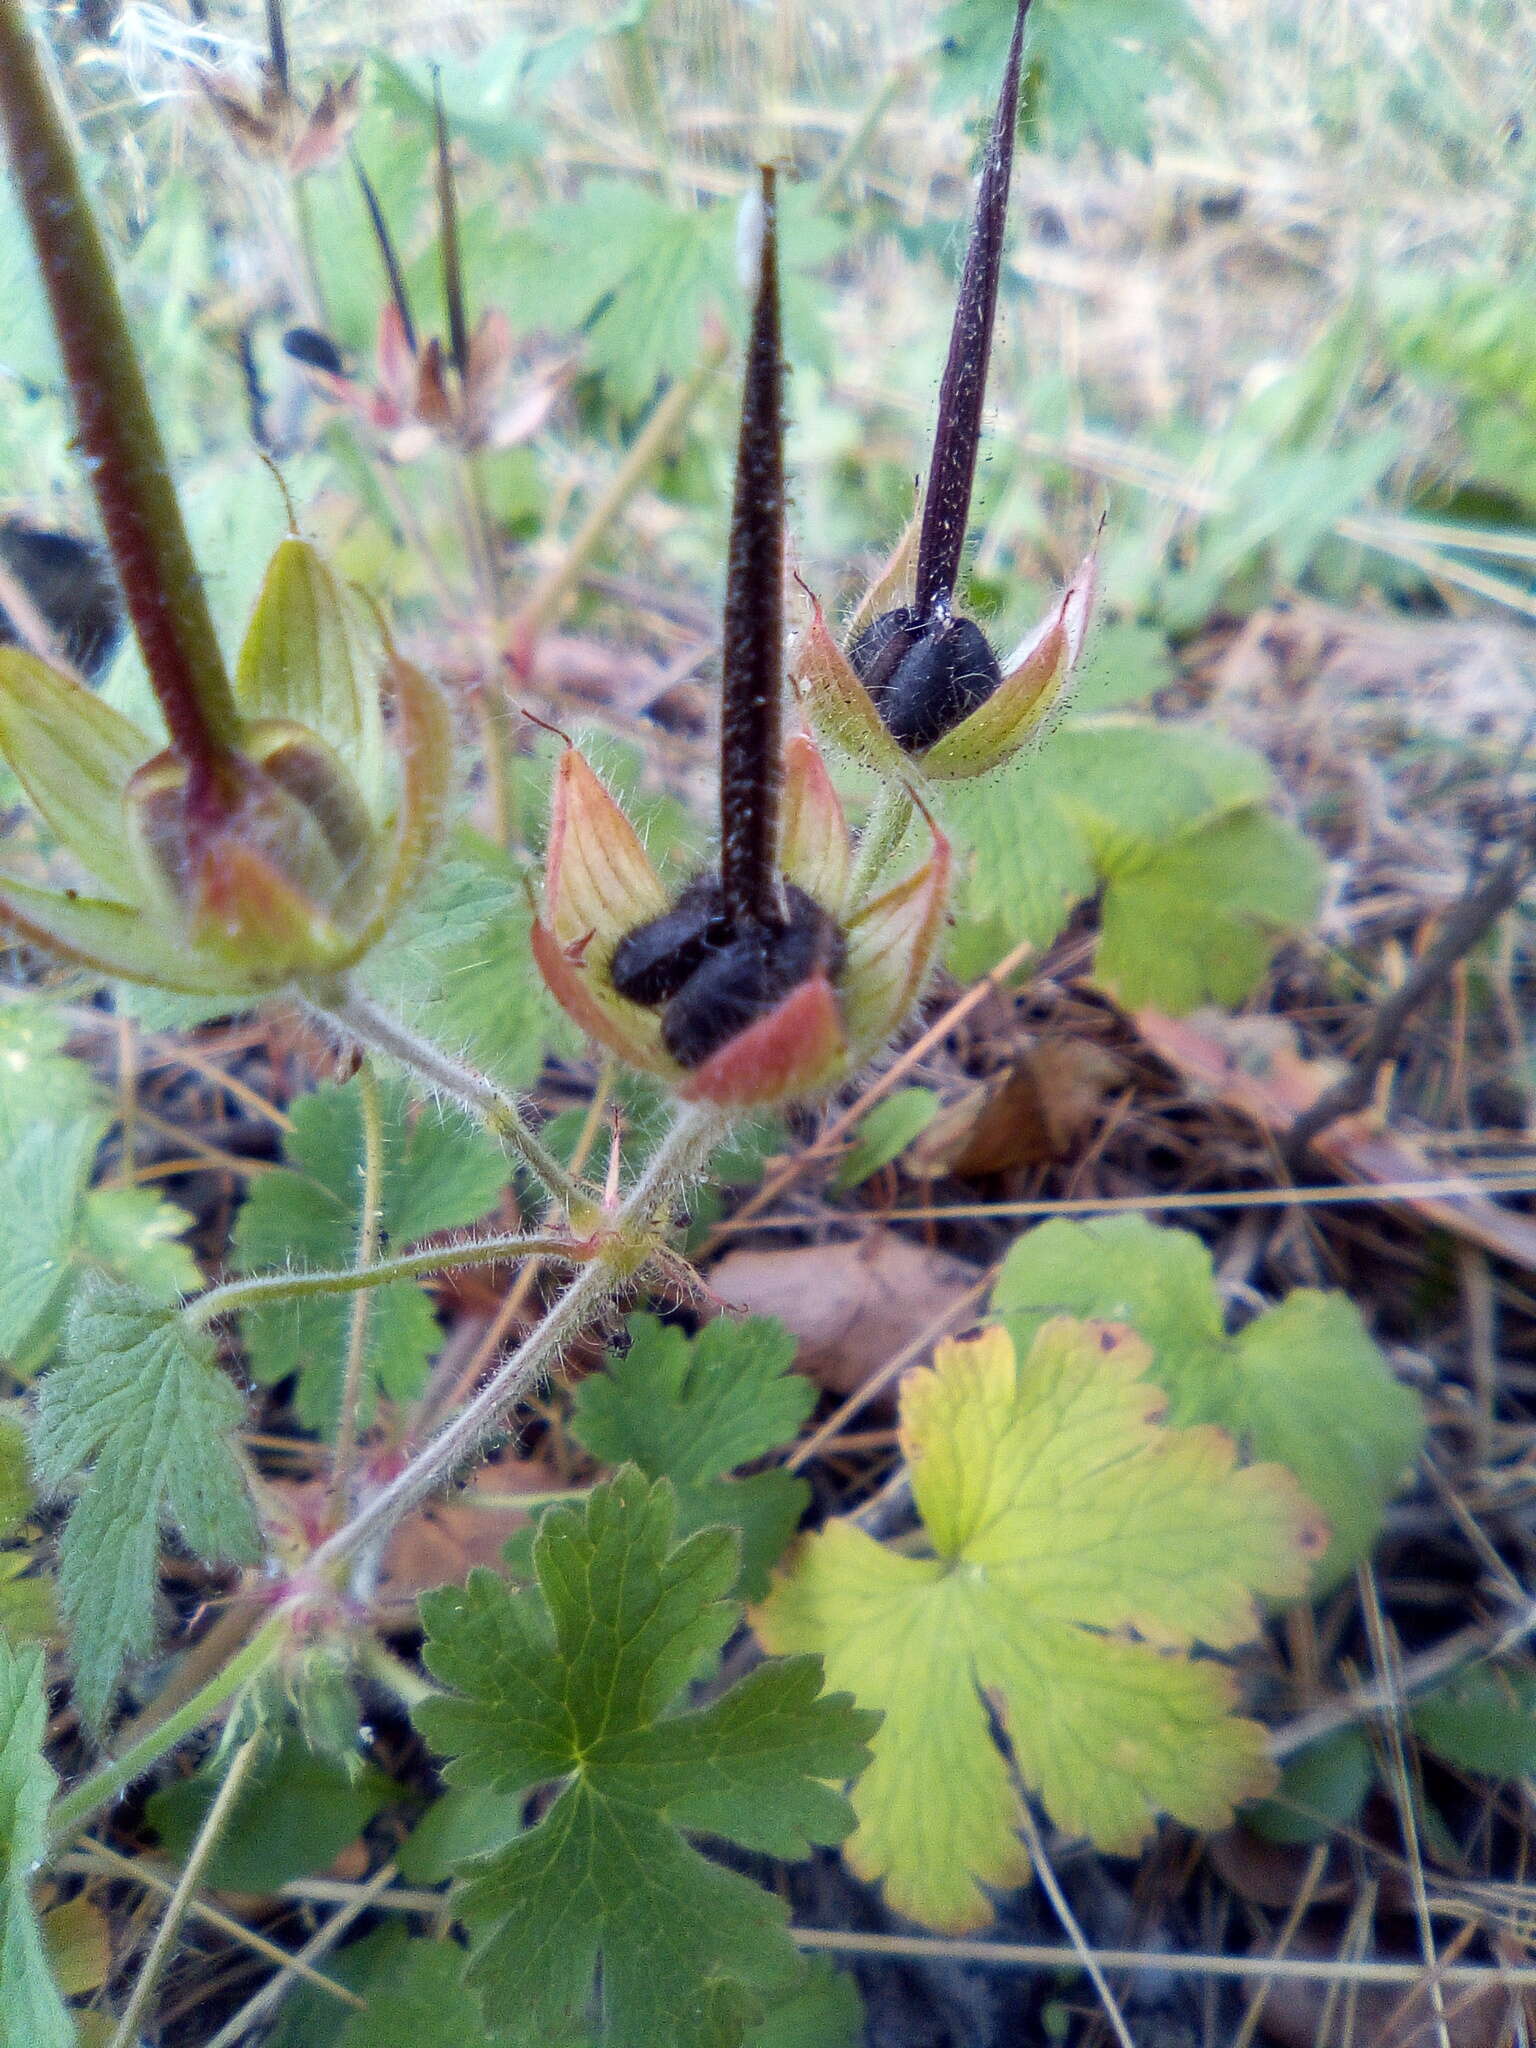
(691, 1411)
(577, 1680)
(438, 1174)
(141, 1408)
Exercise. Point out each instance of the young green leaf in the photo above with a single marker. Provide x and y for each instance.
(295, 1814)
(1470, 335)
(1482, 1721)
(1079, 1552)
(29, 1612)
(1321, 1790)
(416, 1999)
(1093, 64)
(460, 1824)
(693, 1411)
(15, 1482)
(139, 1405)
(54, 1232)
(488, 96)
(32, 2014)
(1302, 1384)
(439, 1174)
(130, 1234)
(40, 1187)
(885, 1133)
(1195, 919)
(640, 277)
(574, 1682)
(1022, 864)
(1199, 880)
(1124, 663)
(39, 1082)
(823, 2010)
(457, 966)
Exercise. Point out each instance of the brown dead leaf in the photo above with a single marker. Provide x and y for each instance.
(437, 1545)
(1039, 1107)
(1253, 1064)
(1385, 2016)
(441, 1544)
(851, 1306)
(1269, 1873)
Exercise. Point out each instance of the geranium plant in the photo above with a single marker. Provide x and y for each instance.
(272, 845)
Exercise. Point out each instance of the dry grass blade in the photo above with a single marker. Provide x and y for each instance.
(1341, 1971)
(1089, 1957)
(95, 1859)
(271, 1994)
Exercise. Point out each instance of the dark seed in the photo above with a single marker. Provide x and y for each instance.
(71, 584)
(309, 345)
(879, 650)
(651, 963)
(924, 679)
(744, 979)
(715, 979)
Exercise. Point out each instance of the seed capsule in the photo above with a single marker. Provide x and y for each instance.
(924, 678)
(711, 977)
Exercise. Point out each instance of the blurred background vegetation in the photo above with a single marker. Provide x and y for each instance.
(1265, 311)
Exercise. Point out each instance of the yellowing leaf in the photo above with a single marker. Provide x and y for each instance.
(1302, 1384)
(1081, 1550)
(78, 1939)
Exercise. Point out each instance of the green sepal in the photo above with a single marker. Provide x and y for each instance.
(108, 937)
(73, 755)
(306, 660)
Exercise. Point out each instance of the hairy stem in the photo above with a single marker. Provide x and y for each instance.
(676, 1161)
(166, 1934)
(951, 474)
(119, 439)
(362, 1019)
(266, 1288)
(362, 1300)
(752, 651)
(75, 1809)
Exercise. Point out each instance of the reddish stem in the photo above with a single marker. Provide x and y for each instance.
(752, 659)
(117, 432)
(448, 219)
(952, 472)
